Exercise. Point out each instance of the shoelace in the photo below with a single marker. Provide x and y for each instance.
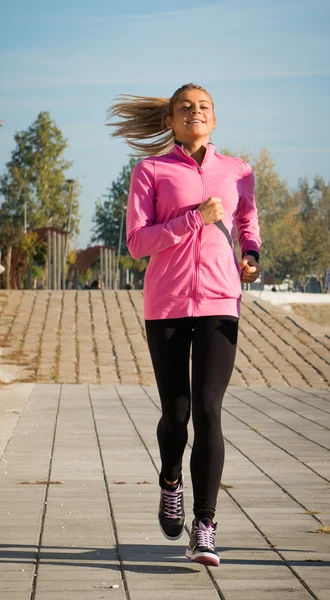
(172, 503)
(205, 535)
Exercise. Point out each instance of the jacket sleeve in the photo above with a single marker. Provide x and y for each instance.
(143, 236)
(246, 216)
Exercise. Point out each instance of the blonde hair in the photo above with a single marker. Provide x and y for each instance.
(144, 118)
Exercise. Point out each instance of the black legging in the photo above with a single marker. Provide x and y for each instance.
(213, 342)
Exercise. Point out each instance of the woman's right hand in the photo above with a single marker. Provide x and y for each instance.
(211, 210)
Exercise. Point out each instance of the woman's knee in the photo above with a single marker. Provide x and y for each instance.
(176, 421)
(207, 418)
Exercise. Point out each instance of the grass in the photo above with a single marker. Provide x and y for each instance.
(40, 482)
(16, 357)
(324, 529)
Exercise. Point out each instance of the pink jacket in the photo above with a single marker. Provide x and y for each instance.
(193, 270)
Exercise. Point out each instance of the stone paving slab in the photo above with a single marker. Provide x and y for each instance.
(79, 497)
(99, 337)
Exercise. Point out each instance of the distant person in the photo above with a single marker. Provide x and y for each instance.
(184, 201)
(96, 284)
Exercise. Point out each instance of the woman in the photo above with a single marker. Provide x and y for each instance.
(184, 202)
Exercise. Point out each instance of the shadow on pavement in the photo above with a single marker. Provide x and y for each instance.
(134, 554)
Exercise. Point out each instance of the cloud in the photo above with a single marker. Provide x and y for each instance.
(224, 5)
(105, 79)
(244, 41)
(156, 15)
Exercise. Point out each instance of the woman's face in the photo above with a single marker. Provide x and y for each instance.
(193, 117)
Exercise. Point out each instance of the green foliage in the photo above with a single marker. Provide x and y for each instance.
(82, 279)
(36, 177)
(28, 245)
(109, 214)
(296, 232)
(37, 272)
(313, 207)
(294, 224)
(128, 262)
(40, 254)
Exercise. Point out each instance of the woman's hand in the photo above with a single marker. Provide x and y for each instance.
(211, 210)
(249, 269)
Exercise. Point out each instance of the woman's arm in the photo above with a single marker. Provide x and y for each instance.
(143, 236)
(246, 216)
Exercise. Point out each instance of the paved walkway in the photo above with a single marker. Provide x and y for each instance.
(99, 337)
(79, 495)
(79, 457)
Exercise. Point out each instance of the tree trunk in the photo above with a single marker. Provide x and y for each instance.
(321, 281)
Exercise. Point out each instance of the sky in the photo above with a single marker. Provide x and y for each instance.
(266, 65)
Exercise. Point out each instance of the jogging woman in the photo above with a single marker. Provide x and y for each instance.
(184, 202)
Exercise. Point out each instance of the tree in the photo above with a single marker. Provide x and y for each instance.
(313, 203)
(108, 214)
(272, 197)
(273, 202)
(36, 177)
(111, 215)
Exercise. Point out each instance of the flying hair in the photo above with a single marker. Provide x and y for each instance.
(144, 118)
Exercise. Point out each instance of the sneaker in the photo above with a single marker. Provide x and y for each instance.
(201, 547)
(171, 510)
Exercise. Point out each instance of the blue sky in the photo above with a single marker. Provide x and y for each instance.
(266, 65)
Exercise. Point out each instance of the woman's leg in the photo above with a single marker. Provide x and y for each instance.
(169, 343)
(213, 356)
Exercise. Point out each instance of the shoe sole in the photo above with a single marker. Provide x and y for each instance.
(169, 537)
(204, 558)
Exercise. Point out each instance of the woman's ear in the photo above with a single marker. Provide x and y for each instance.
(169, 122)
(214, 126)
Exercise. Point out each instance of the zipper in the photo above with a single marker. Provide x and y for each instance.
(198, 244)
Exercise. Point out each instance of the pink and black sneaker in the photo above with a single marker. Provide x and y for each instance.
(201, 547)
(171, 509)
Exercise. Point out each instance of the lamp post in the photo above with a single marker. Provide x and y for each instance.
(25, 216)
(119, 244)
(2, 269)
(71, 183)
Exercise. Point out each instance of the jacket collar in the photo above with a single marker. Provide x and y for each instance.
(178, 151)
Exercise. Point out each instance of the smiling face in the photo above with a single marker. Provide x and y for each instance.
(193, 117)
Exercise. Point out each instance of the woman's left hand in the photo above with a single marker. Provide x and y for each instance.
(249, 269)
